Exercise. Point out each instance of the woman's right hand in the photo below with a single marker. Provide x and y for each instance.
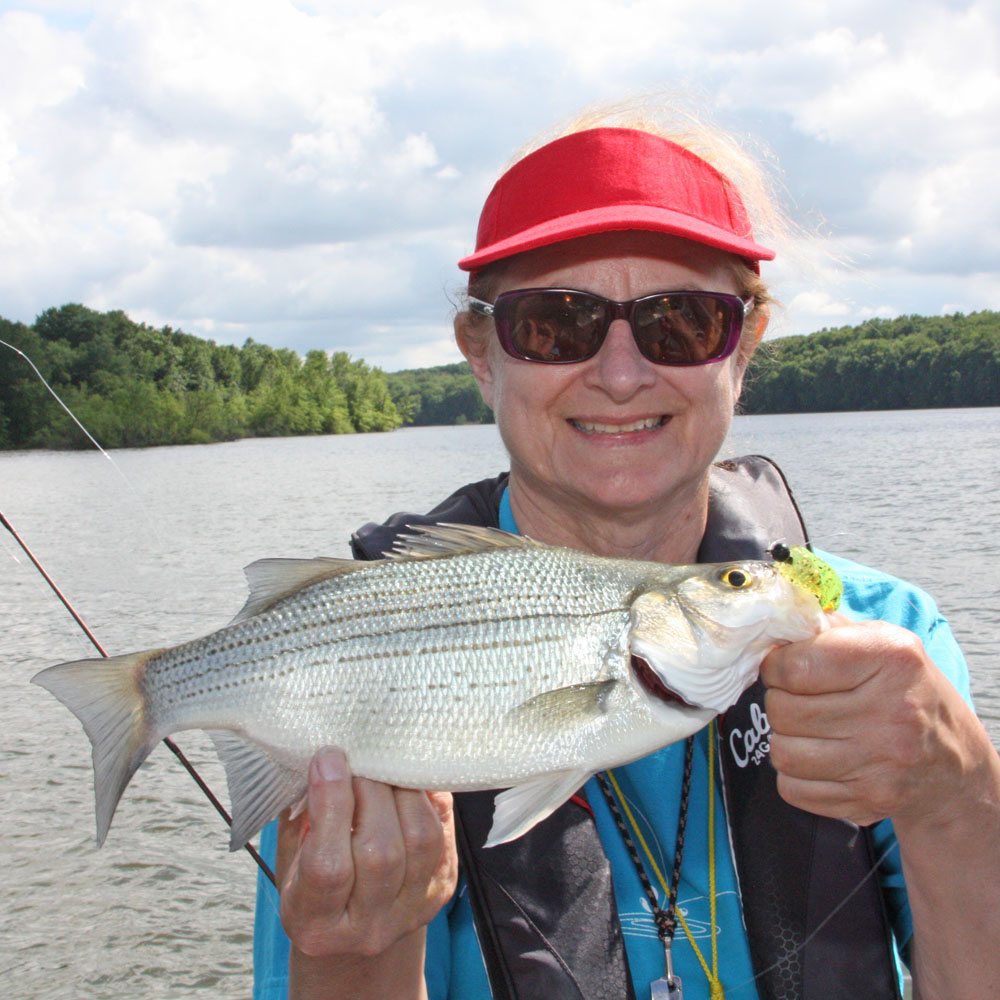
(362, 871)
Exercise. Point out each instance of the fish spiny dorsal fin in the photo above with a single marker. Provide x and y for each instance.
(272, 580)
(433, 541)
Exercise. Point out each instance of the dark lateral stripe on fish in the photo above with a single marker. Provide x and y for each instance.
(455, 647)
(460, 647)
(396, 603)
(197, 656)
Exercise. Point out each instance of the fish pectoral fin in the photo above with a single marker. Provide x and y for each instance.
(579, 703)
(260, 787)
(518, 809)
(272, 580)
(431, 541)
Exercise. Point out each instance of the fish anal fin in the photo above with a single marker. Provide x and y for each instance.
(433, 541)
(576, 703)
(260, 786)
(272, 580)
(518, 809)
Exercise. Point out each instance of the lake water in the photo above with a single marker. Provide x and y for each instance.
(151, 553)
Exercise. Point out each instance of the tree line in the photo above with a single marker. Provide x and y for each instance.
(911, 362)
(132, 385)
(447, 394)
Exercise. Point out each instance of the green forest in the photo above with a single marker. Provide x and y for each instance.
(133, 385)
(447, 394)
(911, 362)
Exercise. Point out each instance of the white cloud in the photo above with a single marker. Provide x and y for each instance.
(818, 303)
(308, 174)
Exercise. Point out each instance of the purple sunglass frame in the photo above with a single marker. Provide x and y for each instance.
(501, 311)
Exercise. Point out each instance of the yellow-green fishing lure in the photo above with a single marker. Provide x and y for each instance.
(800, 566)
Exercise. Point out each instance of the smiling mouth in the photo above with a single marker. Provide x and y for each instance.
(592, 427)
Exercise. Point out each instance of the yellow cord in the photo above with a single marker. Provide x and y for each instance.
(714, 982)
(712, 974)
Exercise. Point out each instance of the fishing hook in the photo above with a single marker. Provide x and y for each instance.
(171, 746)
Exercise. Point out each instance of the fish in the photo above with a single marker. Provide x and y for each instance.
(469, 658)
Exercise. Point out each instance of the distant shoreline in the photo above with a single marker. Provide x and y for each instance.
(134, 386)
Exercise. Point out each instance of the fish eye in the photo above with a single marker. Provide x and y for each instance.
(736, 578)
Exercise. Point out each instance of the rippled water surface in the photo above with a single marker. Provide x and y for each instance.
(151, 554)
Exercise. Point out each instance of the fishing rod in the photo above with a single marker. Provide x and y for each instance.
(171, 746)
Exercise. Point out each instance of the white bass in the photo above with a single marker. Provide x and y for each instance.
(470, 659)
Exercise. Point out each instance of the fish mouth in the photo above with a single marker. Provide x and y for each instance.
(651, 682)
(631, 427)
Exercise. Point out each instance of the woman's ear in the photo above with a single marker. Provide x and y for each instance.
(753, 334)
(749, 341)
(474, 342)
(760, 325)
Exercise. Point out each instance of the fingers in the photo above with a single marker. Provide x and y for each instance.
(826, 716)
(845, 658)
(864, 725)
(317, 879)
(847, 778)
(827, 798)
(365, 865)
(422, 838)
(428, 826)
(446, 875)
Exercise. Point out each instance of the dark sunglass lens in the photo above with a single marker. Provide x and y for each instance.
(682, 329)
(553, 326)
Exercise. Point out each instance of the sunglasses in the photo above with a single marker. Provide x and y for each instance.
(560, 326)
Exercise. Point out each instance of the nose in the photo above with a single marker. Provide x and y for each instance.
(618, 368)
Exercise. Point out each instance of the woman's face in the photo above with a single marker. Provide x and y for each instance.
(616, 433)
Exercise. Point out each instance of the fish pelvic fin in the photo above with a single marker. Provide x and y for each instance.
(106, 695)
(518, 809)
(260, 786)
(272, 580)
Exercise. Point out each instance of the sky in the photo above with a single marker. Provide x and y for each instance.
(307, 174)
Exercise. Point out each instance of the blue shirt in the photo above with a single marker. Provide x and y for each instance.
(454, 966)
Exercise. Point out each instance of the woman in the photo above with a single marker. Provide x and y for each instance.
(614, 302)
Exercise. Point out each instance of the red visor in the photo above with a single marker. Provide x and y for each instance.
(605, 179)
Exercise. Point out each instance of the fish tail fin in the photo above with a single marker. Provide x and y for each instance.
(106, 696)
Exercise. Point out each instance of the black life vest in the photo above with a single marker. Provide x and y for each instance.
(544, 904)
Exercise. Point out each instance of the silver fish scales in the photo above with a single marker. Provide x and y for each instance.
(476, 659)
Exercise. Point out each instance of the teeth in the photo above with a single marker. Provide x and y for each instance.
(588, 427)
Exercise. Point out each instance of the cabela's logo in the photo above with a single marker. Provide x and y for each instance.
(753, 745)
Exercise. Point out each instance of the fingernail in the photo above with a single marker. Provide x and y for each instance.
(330, 764)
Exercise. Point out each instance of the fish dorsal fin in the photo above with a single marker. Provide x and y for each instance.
(272, 580)
(432, 541)
(260, 787)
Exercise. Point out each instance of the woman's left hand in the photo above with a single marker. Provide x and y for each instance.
(864, 726)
